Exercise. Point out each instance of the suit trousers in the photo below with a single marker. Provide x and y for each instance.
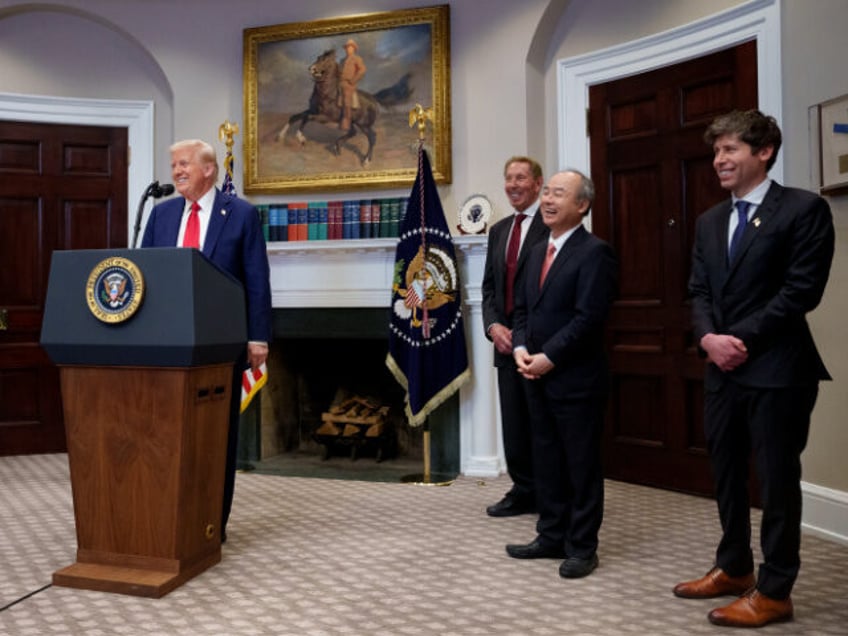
(232, 442)
(771, 425)
(517, 440)
(567, 462)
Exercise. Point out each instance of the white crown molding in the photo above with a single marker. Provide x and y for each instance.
(757, 20)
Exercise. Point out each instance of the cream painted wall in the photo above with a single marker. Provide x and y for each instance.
(815, 71)
(140, 49)
(185, 58)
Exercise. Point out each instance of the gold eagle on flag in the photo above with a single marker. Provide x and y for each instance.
(431, 282)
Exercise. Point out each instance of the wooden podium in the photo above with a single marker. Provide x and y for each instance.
(146, 405)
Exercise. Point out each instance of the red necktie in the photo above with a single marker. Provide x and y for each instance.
(191, 238)
(549, 258)
(512, 262)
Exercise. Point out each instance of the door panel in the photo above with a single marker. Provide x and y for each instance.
(654, 175)
(61, 187)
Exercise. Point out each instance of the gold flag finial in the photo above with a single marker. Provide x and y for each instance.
(226, 131)
(420, 115)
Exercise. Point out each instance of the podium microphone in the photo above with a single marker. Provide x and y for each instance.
(153, 190)
(158, 191)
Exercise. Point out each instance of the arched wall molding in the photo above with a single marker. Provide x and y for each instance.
(757, 20)
(136, 116)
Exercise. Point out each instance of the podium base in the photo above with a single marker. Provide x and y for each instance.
(127, 580)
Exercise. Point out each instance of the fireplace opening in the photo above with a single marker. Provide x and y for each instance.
(331, 398)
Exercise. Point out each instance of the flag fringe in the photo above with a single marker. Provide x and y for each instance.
(417, 419)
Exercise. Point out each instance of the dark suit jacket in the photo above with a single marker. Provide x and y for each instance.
(234, 242)
(763, 297)
(494, 287)
(565, 318)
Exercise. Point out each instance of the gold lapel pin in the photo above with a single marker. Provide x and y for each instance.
(757, 222)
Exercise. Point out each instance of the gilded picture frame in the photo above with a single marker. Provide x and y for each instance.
(297, 136)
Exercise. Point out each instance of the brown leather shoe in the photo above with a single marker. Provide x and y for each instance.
(715, 583)
(752, 610)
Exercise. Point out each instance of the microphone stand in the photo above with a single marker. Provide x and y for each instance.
(156, 191)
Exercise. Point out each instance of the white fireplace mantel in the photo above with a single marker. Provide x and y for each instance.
(358, 273)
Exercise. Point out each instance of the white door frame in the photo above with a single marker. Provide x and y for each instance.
(757, 20)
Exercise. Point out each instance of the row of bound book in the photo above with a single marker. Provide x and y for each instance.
(332, 220)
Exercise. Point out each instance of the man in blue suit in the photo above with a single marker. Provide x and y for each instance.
(760, 262)
(229, 233)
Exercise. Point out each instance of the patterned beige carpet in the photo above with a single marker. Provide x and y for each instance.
(316, 557)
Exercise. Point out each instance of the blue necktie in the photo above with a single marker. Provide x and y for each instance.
(742, 211)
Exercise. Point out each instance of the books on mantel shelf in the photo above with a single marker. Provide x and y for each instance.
(332, 220)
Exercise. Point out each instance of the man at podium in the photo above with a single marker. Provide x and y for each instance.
(229, 233)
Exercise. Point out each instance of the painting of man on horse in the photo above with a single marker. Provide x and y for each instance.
(333, 109)
(335, 98)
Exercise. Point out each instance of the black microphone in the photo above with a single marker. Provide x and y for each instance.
(158, 191)
(153, 190)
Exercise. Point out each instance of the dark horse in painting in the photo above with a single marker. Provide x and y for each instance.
(324, 103)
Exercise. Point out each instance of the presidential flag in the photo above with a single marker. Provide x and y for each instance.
(427, 353)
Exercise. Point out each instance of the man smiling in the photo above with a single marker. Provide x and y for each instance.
(760, 262)
(560, 311)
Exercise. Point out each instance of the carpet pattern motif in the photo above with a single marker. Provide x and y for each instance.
(323, 557)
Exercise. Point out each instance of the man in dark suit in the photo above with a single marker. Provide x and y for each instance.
(510, 240)
(561, 307)
(229, 233)
(760, 263)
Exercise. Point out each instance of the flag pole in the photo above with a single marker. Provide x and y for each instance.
(420, 115)
(427, 478)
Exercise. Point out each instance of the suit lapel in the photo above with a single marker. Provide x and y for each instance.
(535, 232)
(500, 245)
(566, 252)
(764, 212)
(173, 222)
(217, 218)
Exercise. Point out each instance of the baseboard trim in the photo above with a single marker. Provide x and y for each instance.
(825, 512)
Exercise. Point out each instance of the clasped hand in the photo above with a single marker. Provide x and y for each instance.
(725, 351)
(532, 365)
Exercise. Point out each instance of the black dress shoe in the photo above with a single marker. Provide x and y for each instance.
(577, 568)
(534, 550)
(509, 506)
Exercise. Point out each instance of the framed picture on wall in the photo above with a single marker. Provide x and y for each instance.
(833, 145)
(327, 103)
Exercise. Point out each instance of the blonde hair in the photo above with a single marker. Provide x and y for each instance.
(202, 150)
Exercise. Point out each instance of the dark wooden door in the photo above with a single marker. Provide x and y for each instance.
(653, 174)
(61, 188)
